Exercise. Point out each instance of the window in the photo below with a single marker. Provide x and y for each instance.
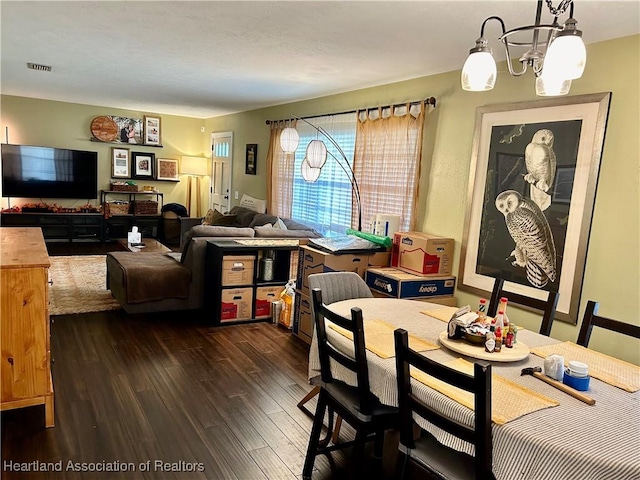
(325, 205)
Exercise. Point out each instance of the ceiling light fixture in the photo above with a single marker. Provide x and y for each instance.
(316, 157)
(563, 60)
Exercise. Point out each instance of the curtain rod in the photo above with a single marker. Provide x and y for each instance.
(428, 101)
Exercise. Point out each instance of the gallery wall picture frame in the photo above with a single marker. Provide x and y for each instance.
(167, 169)
(530, 198)
(143, 164)
(152, 130)
(251, 159)
(120, 162)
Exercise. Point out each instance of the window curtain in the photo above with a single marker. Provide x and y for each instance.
(387, 161)
(280, 166)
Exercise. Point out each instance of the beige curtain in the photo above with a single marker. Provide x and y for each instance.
(387, 161)
(281, 168)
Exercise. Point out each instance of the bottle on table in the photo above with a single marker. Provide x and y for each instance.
(509, 338)
(503, 307)
(498, 347)
(482, 310)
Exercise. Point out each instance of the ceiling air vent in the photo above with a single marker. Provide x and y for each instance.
(37, 66)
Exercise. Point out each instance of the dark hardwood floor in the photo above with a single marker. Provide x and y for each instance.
(194, 401)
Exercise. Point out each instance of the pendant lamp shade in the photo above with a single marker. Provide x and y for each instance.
(549, 86)
(479, 72)
(309, 173)
(289, 140)
(316, 154)
(566, 56)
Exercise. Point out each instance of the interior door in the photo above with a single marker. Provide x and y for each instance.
(222, 159)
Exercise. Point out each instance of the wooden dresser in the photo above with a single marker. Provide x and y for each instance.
(24, 321)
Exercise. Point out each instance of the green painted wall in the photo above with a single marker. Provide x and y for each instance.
(612, 269)
(68, 125)
(612, 273)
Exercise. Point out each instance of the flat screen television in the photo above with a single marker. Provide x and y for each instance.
(46, 172)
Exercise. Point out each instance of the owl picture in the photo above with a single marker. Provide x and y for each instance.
(535, 250)
(540, 160)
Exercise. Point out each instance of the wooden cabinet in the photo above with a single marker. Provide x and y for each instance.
(236, 286)
(57, 227)
(24, 321)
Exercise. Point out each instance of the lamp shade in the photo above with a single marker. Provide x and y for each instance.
(309, 173)
(289, 140)
(194, 166)
(566, 57)
(316, 153)
(548, 86)
(479, 72)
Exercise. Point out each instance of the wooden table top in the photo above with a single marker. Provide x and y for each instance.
(150, 245)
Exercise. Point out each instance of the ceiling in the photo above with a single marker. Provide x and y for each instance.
(209, 58)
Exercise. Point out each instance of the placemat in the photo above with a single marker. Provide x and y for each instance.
(378, 336)
(611, 370)
(444, 313)
(509, 400)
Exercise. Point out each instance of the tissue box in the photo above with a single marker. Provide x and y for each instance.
(134, 236)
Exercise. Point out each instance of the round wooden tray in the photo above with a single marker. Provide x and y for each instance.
(104, 128)
(519, 351)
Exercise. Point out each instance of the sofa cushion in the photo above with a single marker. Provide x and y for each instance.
(214, 217)
(213, 231)
(263, 219)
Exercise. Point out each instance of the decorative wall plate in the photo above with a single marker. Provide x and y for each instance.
(104, 128)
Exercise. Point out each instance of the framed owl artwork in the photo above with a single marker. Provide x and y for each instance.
(532, 186)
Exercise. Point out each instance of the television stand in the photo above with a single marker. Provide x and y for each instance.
(60, 227)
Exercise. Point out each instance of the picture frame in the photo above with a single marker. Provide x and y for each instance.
(152, 130)
(514, 147)
(167, 169)
(143, 165)
(251, 159)
(120, 163)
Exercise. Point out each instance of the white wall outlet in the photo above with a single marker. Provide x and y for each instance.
(201, 129)
(236, 195)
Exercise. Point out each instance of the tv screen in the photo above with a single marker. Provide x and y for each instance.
(45, 172)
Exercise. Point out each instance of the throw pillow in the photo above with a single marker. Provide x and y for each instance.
(254, 204)
(211, 216)
(279, 224)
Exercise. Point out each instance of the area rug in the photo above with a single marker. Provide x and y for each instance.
(79, 285)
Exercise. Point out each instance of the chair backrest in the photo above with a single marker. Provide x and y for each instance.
(479, 384)
(548, 306)
(337, 286)
(327, 351)
(591, 319)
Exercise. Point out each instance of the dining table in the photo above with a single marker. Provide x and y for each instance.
(564, 438)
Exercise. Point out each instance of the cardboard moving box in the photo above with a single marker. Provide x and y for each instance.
(422, 254)
(237, 269)
(235, 304)
(314, 261)
(399, 284)
(303, 320)
(264, 297)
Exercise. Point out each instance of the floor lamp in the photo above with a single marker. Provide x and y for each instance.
(195, 167)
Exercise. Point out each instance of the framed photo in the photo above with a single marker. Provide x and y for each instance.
(120, 163)
(142, 164)
(167, 169)
(251, 158)
(152, 131)
(530, 199)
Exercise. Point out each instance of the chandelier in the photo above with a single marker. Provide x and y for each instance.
(555, 60)
(316, 157)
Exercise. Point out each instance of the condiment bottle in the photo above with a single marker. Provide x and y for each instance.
(503, 306)
(498, 339)
(490, 342)
(509, 339)
(499, 320)
(482, 310)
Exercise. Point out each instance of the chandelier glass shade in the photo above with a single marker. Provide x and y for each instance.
(555, 52)
(289, 140)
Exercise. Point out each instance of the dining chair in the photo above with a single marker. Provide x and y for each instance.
(548, 306)
(591, 319)
(425, 451)
(335, 287)
(356, 405)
